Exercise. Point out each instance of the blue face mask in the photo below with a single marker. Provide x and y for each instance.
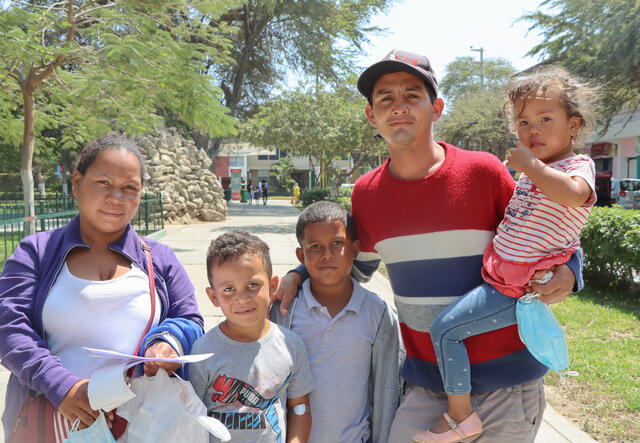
(98, 432)
(541, 333)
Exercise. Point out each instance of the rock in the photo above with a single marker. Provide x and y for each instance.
(178, 169)
(211, 215)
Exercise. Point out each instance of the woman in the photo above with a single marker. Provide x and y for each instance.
(86, 284)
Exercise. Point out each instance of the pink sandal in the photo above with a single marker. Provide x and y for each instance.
(466, 430)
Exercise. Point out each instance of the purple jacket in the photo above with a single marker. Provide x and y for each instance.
(25, 282)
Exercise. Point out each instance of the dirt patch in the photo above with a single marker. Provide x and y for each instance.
(585, 410)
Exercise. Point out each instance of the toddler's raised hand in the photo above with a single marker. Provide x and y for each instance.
(520, 158)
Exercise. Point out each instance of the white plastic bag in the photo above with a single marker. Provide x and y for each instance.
(98, 432)
(167, 409)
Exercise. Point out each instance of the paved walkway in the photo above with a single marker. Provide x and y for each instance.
(275, 224)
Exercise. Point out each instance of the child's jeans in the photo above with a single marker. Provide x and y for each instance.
(481, 310)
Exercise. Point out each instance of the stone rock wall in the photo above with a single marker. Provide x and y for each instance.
(178, 169)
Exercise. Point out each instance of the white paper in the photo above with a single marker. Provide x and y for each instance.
(104, 353)
(108, 388)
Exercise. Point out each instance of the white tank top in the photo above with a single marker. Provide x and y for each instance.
(110, 314)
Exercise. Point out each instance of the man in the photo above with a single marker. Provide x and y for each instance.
(429, 212)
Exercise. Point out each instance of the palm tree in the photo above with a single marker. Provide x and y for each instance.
(281, 171)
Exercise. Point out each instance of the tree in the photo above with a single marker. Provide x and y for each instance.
(323, 126)
(462, 76)
(598, 39)
(316, 39)
(281, 171)
(476, 122)
(102, 65)
(474, 118)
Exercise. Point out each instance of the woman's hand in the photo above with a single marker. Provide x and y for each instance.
(160, 349)
(76, 405)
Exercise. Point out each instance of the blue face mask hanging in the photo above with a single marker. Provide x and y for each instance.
(542, 334)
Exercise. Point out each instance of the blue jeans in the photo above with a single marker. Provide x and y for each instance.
(481, 310)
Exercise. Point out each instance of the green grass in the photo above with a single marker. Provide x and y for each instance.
(603, 335)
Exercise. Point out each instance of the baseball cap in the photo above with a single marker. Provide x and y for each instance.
(394, 61)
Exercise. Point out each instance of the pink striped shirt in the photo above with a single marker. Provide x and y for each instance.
(535, 228)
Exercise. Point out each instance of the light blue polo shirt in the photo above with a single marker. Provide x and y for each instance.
(339, 351)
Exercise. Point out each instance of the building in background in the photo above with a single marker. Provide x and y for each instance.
(616, 152)
(256, 162)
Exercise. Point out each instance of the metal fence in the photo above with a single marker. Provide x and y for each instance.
(52, 213)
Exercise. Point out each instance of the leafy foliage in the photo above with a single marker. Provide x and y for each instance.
(474, 119)
(126, 60)
(599, 39)
(309, 196)
(343, 198)
(83, 68)
(462, 76)
(325, 127)
(281, 171)
(315, 39)
(611, 244)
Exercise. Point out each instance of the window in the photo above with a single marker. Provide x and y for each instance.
(275, 156)
(603, 164)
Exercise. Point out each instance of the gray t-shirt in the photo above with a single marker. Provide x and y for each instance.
(246, 385)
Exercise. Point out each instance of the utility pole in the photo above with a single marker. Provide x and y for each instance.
(481, 51)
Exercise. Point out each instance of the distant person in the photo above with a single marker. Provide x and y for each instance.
(541, 228)
(296, 193)
(265, 187)
(86, 284)
(352, 336)
(250, 192)
(258, 193)
(258, 381)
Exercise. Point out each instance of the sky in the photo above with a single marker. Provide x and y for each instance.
(445, 29)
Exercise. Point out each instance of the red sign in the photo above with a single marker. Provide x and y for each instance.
(601, 150)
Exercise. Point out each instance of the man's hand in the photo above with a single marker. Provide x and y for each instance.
(521, 158)
(160, 349)
(558, 288)
(287, 290)
(76, 405)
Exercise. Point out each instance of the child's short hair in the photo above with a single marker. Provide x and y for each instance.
(234, 244)
(579, 97)
(324, 211)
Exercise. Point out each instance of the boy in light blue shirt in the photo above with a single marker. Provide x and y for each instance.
(351, 335)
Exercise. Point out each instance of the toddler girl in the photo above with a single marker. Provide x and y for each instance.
(541, 228)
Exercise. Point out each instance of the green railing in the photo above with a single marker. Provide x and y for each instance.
(58, 211)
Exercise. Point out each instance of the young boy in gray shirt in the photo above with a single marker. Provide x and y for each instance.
(351, 335)
(258, 366)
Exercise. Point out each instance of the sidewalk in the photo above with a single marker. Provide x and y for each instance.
(275, 224)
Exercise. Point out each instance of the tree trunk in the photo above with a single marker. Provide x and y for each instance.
(26, 160)
(210, 145)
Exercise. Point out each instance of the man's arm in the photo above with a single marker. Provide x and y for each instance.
(567, 278)
(298, 419)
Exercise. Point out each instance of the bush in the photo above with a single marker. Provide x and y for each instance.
(611, 244)
(344, 201)
(313, 195)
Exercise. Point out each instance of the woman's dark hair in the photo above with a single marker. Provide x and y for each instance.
(112, 142)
